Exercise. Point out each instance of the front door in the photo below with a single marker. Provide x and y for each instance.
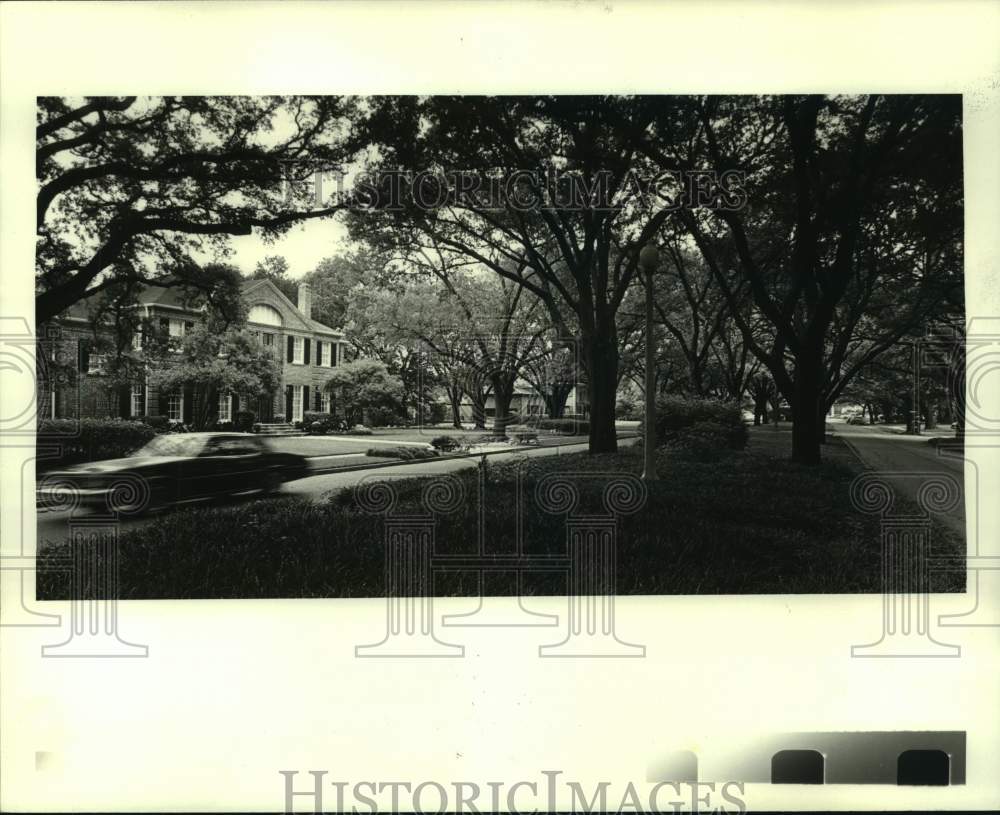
(265, 409)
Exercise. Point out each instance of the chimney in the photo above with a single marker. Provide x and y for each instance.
(305, 300)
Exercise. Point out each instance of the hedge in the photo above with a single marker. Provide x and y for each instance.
(680, 414)
(92, 439)
(571, 427)
(445, 443)
(402, 453)
(159, 423)
(244, 420)
(706, 441)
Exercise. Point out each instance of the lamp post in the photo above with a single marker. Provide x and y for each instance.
(914, 428)
(648, 259)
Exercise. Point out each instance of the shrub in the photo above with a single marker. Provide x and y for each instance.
(491, 439)
(445, 443)
(437, 413)
(626, 409)
(358, 430)
(244, 420)
(93, 439)
(675, 414)
(402, 453)
(568, 426)
(158, 423)
(279, 418)
(707, 441)
(319, 424)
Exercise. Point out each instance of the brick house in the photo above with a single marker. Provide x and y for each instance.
(306, 349)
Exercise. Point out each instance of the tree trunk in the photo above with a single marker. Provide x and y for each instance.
(931, 422)
(556, 399)
(806, 435)
(808, 415)
(455, 400)
(478, 399)
(601, 355)
(502, 394)
(775, 411)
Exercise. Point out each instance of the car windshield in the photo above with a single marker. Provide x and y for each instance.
(172, 445)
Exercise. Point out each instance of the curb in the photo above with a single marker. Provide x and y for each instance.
(402, 463)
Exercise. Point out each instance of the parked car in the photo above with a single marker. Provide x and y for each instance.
(173, 469)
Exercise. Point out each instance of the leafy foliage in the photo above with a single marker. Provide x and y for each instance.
(364, 386)
(93, 439)
(129, 188)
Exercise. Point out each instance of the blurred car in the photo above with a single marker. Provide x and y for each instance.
(173, 469)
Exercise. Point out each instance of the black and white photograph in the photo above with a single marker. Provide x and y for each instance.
(727, 307)
(535, 407)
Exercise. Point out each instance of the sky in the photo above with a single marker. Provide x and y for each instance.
(303, 246)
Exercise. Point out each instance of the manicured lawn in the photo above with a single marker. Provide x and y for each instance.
(318, 445)
(735, 522)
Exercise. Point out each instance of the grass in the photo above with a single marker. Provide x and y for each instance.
(318, 445)
(742, 522)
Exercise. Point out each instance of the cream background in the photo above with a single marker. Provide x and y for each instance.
(234, 691)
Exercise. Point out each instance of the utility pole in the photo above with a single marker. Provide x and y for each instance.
(648, 258)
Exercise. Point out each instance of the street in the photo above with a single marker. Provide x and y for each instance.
(54, 526)
(886, 451)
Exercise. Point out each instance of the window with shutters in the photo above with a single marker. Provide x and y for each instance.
(138, 402)
(175, 407)
(175, 330)
(324, 402)
(225, 407)
(296, 403)
(298, 351)
(96, 363)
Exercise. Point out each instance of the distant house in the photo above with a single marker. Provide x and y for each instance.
(307, 349)
(527, 404)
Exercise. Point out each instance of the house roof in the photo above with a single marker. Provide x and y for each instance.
(174, 297)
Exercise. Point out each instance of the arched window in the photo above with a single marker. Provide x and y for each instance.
(264, 315)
